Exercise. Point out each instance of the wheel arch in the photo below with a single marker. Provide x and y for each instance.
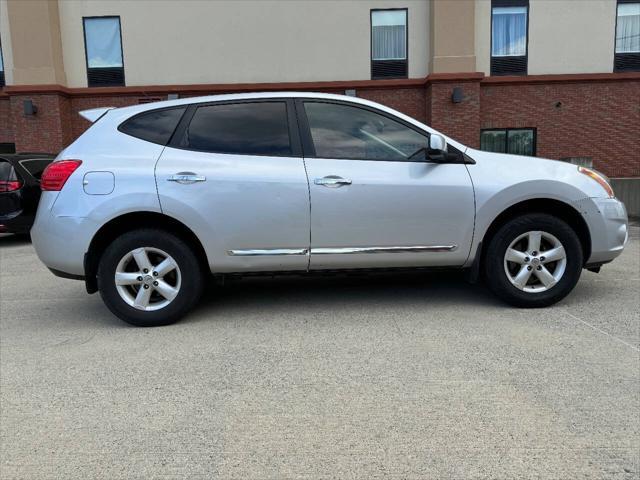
(133, 221)
(556, 208)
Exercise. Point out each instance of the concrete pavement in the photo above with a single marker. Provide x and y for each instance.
(416, 376)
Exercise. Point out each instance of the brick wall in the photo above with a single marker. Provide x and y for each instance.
(410, 101)
(460, 121)
(600, 120)
(585, 118)
(6, 120)
(79, 124)
(47, 131)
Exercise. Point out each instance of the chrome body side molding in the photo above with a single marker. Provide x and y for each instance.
(406, 249)
(269, 251)
(342, 250)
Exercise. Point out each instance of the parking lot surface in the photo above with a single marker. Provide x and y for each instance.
(412, 376)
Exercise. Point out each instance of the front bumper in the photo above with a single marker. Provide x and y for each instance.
(609, 227)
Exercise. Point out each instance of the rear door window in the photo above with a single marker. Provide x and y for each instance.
(248, 128)
(155, 126)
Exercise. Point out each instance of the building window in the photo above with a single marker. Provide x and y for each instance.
(1, 68)
(103, 49)
(389, 44)
(509, 37)
(627, 55)
(517, 141)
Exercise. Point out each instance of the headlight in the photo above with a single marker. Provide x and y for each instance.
(598, 177)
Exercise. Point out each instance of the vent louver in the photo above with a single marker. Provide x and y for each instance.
(388, 69)
(105, 77)
(627, 62)
(509, 65)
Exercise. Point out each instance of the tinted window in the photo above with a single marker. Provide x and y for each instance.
(156, 126)
(240, 128)
(7, 173)
(341, 131)
(35, 167)
(518, 141)
(494, 141)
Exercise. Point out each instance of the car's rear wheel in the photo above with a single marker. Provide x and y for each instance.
(533, 260)
(149, 278)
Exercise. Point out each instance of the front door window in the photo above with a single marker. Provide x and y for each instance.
(345, 132)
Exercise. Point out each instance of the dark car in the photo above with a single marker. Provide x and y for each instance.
(20, 189)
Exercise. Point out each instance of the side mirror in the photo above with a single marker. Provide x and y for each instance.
(437, 148)
(437, 142)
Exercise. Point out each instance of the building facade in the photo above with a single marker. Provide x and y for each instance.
(552, 78)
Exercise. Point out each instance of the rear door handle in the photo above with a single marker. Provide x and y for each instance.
(186, 178)
(332, 181)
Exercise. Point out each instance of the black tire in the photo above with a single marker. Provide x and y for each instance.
(191, 277)
(494, 260)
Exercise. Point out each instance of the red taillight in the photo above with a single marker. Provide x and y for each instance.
(57, 173)
(10, 186)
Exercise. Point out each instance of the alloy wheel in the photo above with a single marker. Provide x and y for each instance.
(148, 278)
(535, 261)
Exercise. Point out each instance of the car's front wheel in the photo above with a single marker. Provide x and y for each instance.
(533, 260)
(149, 278)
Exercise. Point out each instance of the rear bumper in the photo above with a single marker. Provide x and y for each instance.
(70, 276)
(61, 241)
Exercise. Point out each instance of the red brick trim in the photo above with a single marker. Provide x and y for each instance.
(210, 88)
(565, 78)
(337, 85)
(452, 77)
(35, 89)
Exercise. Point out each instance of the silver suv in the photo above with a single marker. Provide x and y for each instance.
(153, 198)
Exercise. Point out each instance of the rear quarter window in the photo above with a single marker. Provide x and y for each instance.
(155, 126)
(35, 166)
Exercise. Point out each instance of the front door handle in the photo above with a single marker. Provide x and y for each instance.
(186, 178)
(332, 181)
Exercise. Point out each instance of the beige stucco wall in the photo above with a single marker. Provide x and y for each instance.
(571, 36)
(452, 36)
(565, 36)
(5, 40)
(188, 42)
(36, 50)
(483, 36)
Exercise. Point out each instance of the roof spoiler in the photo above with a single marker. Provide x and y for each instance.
(95, 114)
